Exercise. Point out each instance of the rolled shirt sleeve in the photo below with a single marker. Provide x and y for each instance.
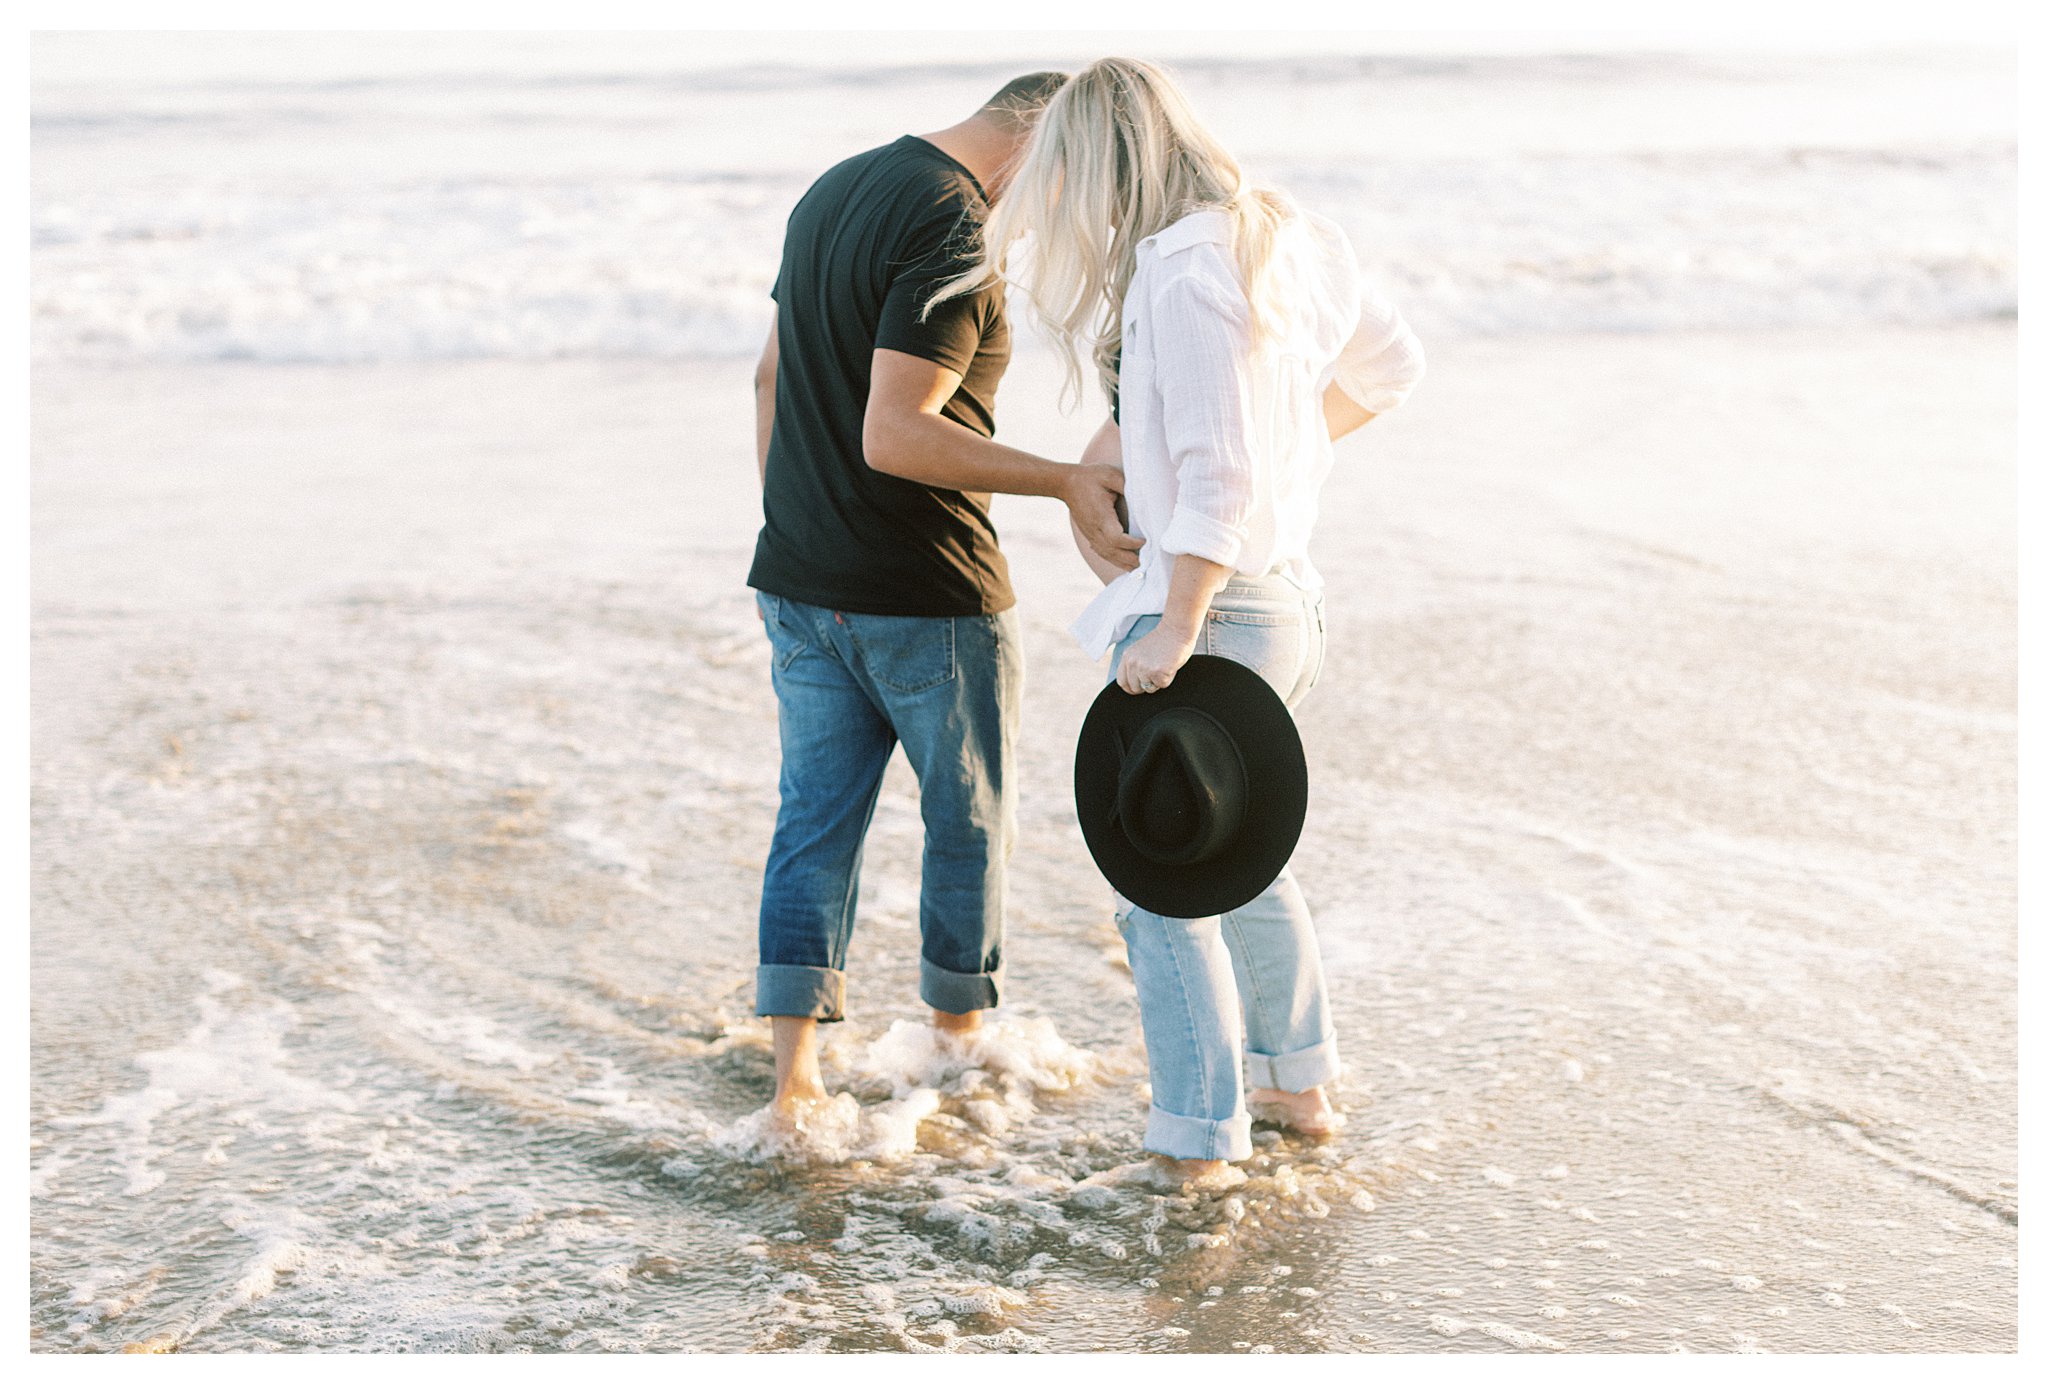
(1201, 344)
(1382, 362)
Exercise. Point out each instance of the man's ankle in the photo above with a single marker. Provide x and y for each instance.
(956, 1023)
(801, 1089)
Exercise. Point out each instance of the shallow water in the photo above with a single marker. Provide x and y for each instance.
(402, 769)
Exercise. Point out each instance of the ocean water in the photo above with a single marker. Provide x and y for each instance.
(399, 792)
(342, 200)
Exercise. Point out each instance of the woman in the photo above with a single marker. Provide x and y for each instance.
(1235, 340)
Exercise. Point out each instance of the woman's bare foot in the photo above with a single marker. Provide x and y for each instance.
(1206, 1174)
(1307, 1112)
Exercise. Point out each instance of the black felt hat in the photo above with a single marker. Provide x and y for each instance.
(1191, 798)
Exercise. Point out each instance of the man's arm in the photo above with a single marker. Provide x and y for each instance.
(904, 434)
(1106, 448)
(764, 398)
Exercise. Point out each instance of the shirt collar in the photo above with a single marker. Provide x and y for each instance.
(1196, 228)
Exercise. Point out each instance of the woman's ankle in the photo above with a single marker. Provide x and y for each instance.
(1306, 1112)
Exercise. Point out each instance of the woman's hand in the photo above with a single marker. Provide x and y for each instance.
(1150, 664)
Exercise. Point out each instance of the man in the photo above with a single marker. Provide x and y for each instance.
(885, 596)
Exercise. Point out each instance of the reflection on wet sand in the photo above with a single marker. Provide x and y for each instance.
(394, 895)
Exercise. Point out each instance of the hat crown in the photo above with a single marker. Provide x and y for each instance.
(1197, 816)
(1181, 788)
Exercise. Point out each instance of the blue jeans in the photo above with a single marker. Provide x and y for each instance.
(850, 688)
(1238, 997)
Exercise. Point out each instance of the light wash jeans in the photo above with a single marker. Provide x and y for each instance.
(850, 688)
(1240, 997)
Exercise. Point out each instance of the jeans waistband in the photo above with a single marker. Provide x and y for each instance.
(1275, 587)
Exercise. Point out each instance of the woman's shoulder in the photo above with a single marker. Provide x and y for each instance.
(1325, 269)
(1315, 238)
(1202, 279)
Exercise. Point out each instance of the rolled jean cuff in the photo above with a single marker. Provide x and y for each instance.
(1184, 1136)
(1301, 1070)
(958, 992)
(800, 992)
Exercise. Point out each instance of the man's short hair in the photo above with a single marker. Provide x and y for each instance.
(1022, 98)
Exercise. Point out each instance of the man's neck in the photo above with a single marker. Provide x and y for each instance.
(979, 147)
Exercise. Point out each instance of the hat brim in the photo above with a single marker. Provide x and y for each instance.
(1276, 775)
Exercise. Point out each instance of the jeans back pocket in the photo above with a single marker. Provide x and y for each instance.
(904, 653)
(1270, 644)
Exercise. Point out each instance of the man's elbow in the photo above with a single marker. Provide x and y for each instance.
(884, 444)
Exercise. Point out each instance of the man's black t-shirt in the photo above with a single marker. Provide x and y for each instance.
(866, 248)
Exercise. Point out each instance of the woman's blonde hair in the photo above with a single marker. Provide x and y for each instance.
(1117, 155)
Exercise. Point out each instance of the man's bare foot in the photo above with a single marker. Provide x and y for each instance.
(956, 1024)
(1307, 1112)
(793, 1103)
(799, 1087)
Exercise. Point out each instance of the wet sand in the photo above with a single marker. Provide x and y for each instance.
(403, 763)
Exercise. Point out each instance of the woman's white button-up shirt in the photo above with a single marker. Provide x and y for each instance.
(1225, 451)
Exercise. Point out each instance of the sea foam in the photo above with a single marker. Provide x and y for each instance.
(987, 1080)
(678, 266)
